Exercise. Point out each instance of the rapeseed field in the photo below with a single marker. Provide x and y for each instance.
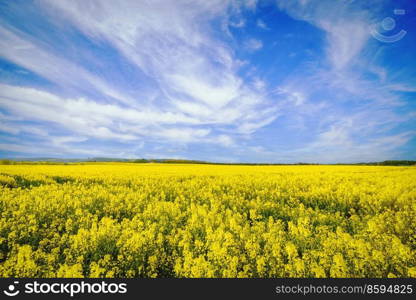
(167, 220)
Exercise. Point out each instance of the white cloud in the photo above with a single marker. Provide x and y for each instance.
(238, 24)
(82, 116)
(28, 54)
(259, 84)
(88, 118)
(293, 95)
(346, 25)
(346, 40)
(208, 93)
(53, 150)
(336, 146)
(251, 4)
(171, 42)
(9, 129)
(12, 127)
(261, 24)
(360, 111)
(196, 75)
(253, 44)
(198, 94)
(182, 135)
(225, 140)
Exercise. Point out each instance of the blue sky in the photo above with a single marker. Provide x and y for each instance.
(231, 81)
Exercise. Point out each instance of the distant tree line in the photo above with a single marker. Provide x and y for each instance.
(185, 161)
(391, 163)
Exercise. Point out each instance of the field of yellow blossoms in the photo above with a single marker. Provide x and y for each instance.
(169, 220)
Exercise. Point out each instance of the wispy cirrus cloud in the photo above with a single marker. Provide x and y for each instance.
(361, 110)
(202, 79)
(196, 88)
(253, 44)
(261, 24)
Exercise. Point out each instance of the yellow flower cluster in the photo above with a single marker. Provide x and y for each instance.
(165, 220)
